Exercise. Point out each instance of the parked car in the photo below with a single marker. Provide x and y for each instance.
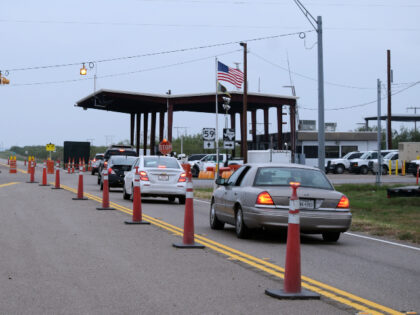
(412, 167)
(338, 166)
(116, 166)
(96, 163)
(210, 161)
(160, 176)
(120, 150)
(361, 165)
(257, 196)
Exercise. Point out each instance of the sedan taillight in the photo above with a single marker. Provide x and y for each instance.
(264, 198)
(344, 203)
(182, 177)
(143, 176)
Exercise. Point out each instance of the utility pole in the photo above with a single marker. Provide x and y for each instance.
(317, 25)
(388, 71)
(245, 108)
(378, 173)
(415, 112)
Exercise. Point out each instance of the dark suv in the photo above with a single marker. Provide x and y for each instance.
(124, 150)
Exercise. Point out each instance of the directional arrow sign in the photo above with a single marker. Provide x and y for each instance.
(209, 145)
(228, 145)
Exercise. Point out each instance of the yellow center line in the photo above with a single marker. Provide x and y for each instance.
(9, 184)
(270, 268)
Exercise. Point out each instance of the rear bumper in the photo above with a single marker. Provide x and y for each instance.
(310, 221)
(155, 190)
(115, 181)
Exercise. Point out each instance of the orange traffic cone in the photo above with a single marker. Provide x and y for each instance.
(44, 175)
(292, 275)
(137, 215)
(105, 192)
(57, 176)
(80, 187)
(188, 237)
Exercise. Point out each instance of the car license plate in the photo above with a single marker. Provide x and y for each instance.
(163, 177)
(306, 203)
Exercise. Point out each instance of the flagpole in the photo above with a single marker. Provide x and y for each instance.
(217, 127)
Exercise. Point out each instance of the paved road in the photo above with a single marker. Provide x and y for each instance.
(384, 273)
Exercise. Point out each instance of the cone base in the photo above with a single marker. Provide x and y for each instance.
(57, 188)
(80, 198)
(32, 182)
(136, 222)
(303, 295)
(181, 245)
(101, 208)
(44, 185)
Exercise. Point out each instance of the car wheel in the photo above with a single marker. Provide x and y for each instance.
(363, 170)
(331, 236)
(215, 223)
(92, 172)
(125, 195)
(181, 200)
(339, 169)
(171, 199)
(195, 171)
(384, 170)
(240, 228)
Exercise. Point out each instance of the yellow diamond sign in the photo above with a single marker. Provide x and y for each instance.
(50, 147)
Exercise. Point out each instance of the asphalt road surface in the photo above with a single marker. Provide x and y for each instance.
(63, 256)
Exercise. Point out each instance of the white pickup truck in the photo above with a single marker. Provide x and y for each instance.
(210, 161)
(338, 166)
(365, 163)
(391, 156)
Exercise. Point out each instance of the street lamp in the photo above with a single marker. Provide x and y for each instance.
(83, 70)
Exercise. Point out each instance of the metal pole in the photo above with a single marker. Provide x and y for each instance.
(217, 126)
(245, 107)
(321, 124)
(379, 172)
(389, 130)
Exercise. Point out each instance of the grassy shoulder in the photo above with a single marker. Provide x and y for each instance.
(373, 212)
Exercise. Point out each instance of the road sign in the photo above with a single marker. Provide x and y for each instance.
(209, 145)
(230, 145)
(228, 134)
(165, 147)
(209, 134)
(50, 147)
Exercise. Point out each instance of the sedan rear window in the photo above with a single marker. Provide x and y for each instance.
(282, 176)
(161, 162)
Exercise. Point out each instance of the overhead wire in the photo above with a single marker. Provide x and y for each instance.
(157, 53)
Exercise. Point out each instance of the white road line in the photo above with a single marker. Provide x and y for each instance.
(382, 241)
(355, 235)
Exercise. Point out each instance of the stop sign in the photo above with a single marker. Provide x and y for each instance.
(165, 147)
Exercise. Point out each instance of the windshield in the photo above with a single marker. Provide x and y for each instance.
(365, 155)
(122, 160)
(353, 155)
(389, 155)
(120, 152)
(282, 176)
(161, 162)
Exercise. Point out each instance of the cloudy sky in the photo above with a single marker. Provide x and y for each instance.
(38, 105)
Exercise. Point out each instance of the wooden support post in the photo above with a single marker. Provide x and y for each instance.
(254, 128)
(232, 125)
(170, 120)
(138, 133)
(161, 125)
(153, 134)
(145, 132)
(132, 120)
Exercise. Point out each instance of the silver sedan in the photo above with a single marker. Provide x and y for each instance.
(257, 196)
(160, 176)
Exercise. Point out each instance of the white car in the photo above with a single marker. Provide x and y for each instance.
(160, 176)
(391, 156)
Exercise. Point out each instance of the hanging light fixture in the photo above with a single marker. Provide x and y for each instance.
(83, 70)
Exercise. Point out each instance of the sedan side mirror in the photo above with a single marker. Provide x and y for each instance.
(220, 181)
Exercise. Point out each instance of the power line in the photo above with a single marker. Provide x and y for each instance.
(364, 104)
(127, 73)
(158, 53)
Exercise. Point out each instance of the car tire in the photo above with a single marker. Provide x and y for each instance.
(195, 171)
(384, 170)
(331, 236)
(364, 170)
(125, 195)
(171, 199)
(181, 200)
(339, 169)
(215, 223)
(241, 229)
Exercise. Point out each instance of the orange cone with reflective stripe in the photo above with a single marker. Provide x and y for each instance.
(44, 175)
(137, 215)
(105, 191)
(57, 176)
(188, 236)
(80, 186)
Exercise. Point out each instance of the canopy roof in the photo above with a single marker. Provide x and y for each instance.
(129, 102)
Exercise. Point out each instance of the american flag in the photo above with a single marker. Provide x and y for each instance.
(231, 75)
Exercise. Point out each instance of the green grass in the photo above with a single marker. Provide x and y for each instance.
(376, 214)
(373, 212)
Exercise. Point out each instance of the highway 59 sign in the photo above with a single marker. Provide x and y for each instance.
(209, 134)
